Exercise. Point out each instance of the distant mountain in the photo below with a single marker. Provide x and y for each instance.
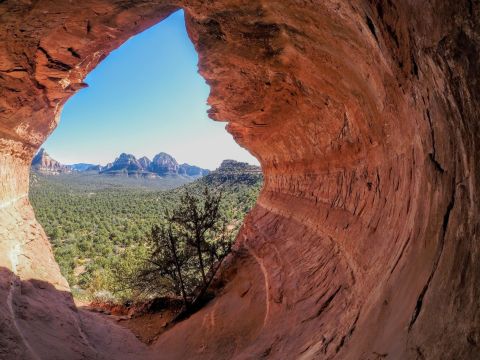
(162, 164)
(192, 170)
(43, 163)
(95, 168)
(234, 172)
(81, 166)
(145, 162)
(125, 164)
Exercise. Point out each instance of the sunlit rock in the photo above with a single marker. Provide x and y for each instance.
(364, 116)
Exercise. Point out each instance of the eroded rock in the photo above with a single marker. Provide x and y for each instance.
(364, 116)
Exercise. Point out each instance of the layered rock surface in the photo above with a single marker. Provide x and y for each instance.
(364, 116)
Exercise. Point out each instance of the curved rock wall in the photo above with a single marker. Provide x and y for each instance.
(364, 117)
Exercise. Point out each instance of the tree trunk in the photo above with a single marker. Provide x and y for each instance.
(179, 271)
(202, 266)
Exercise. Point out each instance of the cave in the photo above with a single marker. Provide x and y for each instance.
(364, 117)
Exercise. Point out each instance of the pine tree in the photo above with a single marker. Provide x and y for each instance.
(197, 219)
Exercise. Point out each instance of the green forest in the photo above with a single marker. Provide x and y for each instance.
(98, 230)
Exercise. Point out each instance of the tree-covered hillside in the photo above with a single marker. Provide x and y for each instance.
(99, 228)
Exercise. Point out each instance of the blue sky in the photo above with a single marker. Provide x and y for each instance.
(144, 98)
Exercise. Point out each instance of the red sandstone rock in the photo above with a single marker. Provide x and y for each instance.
(364, 115)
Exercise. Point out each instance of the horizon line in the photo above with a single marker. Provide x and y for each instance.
(70, 163)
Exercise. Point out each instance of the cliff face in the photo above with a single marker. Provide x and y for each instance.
(364, 116)
(43, 163)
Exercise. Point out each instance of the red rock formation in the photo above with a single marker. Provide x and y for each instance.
(45, 164)
(364, 115)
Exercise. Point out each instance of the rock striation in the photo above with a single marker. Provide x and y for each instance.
(364, 116)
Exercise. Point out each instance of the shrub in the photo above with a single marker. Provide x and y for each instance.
(186, 249)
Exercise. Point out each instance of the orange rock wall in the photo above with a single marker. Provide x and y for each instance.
(364, 116)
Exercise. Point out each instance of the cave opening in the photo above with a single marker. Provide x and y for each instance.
(364, 118)
(127, 149)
